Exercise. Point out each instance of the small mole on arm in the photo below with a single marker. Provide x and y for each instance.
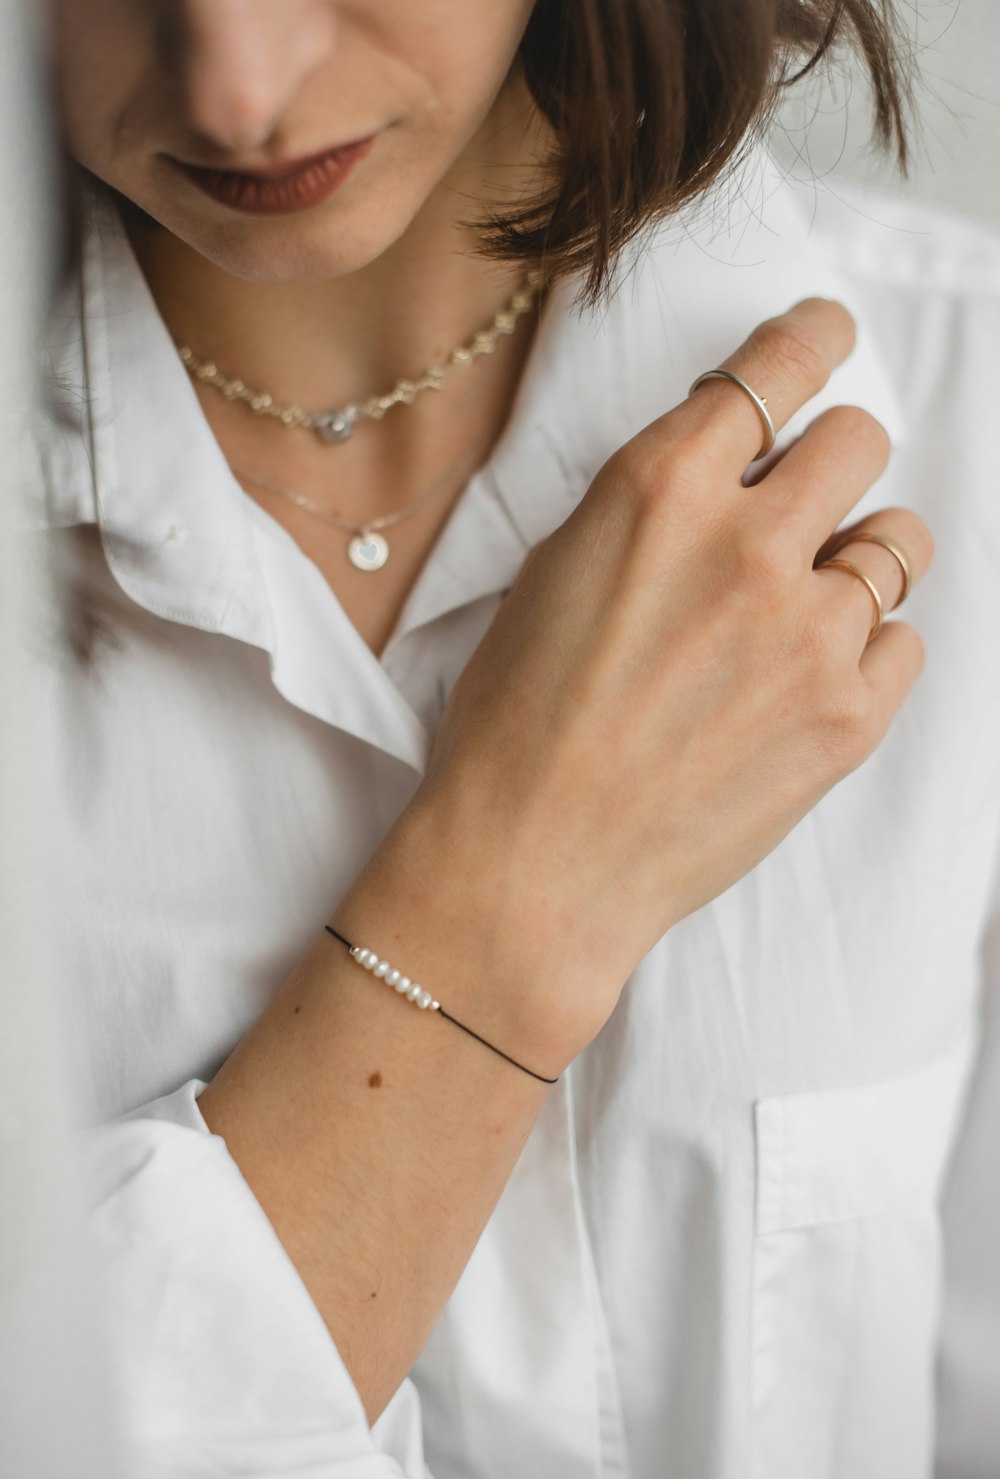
(374, 1295)
(375, 1082)
(298, 1009)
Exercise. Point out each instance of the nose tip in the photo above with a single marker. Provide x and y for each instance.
(239, 118)
(242, 66)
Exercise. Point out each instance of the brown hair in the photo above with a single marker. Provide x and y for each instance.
(650, 100)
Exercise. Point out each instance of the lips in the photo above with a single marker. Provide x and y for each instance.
(285, 189)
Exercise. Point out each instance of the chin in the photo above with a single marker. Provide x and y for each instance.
(288, 256)
(332, 240)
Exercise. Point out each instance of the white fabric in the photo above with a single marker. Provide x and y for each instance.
(720, 1253)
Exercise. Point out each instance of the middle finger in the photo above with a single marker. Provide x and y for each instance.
(824, 474)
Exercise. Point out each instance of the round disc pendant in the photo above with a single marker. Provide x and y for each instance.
(368, 551)
(336, 426)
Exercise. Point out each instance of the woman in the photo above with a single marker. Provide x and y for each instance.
(587, 747)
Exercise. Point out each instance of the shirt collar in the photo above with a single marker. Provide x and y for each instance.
(132, 450)
(683, 300)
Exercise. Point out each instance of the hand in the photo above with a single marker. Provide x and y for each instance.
(670, 684)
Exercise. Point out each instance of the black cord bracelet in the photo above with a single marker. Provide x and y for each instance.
(414, 992)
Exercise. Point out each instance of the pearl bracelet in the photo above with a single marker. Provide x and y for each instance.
(413, 991)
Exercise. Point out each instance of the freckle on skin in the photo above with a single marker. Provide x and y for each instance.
(373, 1294)
(298, 1009)
(375, 1082)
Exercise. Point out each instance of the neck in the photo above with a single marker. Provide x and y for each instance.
(340, 340)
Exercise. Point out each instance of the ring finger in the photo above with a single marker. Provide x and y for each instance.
(850, 596)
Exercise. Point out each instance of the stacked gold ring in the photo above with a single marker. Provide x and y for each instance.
(849, 538)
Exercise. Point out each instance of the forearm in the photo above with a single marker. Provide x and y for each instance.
(378, 1136)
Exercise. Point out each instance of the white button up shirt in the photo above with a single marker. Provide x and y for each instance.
(719, 1255)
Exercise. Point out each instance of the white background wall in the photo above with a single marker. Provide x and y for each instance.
(825, 126)
(56, 1417)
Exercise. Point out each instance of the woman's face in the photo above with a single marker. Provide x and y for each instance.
(150, 86)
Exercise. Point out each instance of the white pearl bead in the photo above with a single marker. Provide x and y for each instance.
(435, 1006)
(414, 991)
(391, 978)
(424, 999)
(381, 969)
(403, 984)
(368, 959)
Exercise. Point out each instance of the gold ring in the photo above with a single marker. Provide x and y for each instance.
(893, 549)
(879, 609)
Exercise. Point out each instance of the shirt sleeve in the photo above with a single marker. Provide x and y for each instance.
(221, 1362)
(969, 1366)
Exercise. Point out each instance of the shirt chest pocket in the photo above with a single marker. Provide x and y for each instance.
(847, 1272)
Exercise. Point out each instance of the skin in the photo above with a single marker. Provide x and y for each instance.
(334, 303)
(245, 83)
(672, 595)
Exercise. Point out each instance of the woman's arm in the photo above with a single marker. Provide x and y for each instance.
(378, 1136)
(668, 687)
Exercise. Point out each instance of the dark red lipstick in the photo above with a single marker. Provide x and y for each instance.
(293, 186)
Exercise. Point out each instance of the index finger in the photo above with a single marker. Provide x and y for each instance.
(786, 360)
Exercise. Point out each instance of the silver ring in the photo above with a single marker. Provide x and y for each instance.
(759, 401)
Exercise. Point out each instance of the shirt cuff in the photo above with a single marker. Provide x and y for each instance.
(221, 1362)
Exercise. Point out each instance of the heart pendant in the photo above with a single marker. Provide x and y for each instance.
(368, 551)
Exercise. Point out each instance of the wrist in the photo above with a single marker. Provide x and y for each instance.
(449, 917)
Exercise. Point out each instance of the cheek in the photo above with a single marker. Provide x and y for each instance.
(100, 52)
(461, 52)
(436, 67)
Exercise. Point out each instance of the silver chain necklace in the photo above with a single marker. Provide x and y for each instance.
(335, 424)
(367, 549)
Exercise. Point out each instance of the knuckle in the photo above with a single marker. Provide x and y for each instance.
(916, 536)
(821, 641)
(911, 531)
(765, 557)
(857, 427)
(845, 725)
(690, 465)
(653, 466)
(693, 458)
(638, 465)
(913, 644)
(794, 345)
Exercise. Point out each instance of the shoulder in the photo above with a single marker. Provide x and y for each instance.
(927, 281)
(906, 246)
